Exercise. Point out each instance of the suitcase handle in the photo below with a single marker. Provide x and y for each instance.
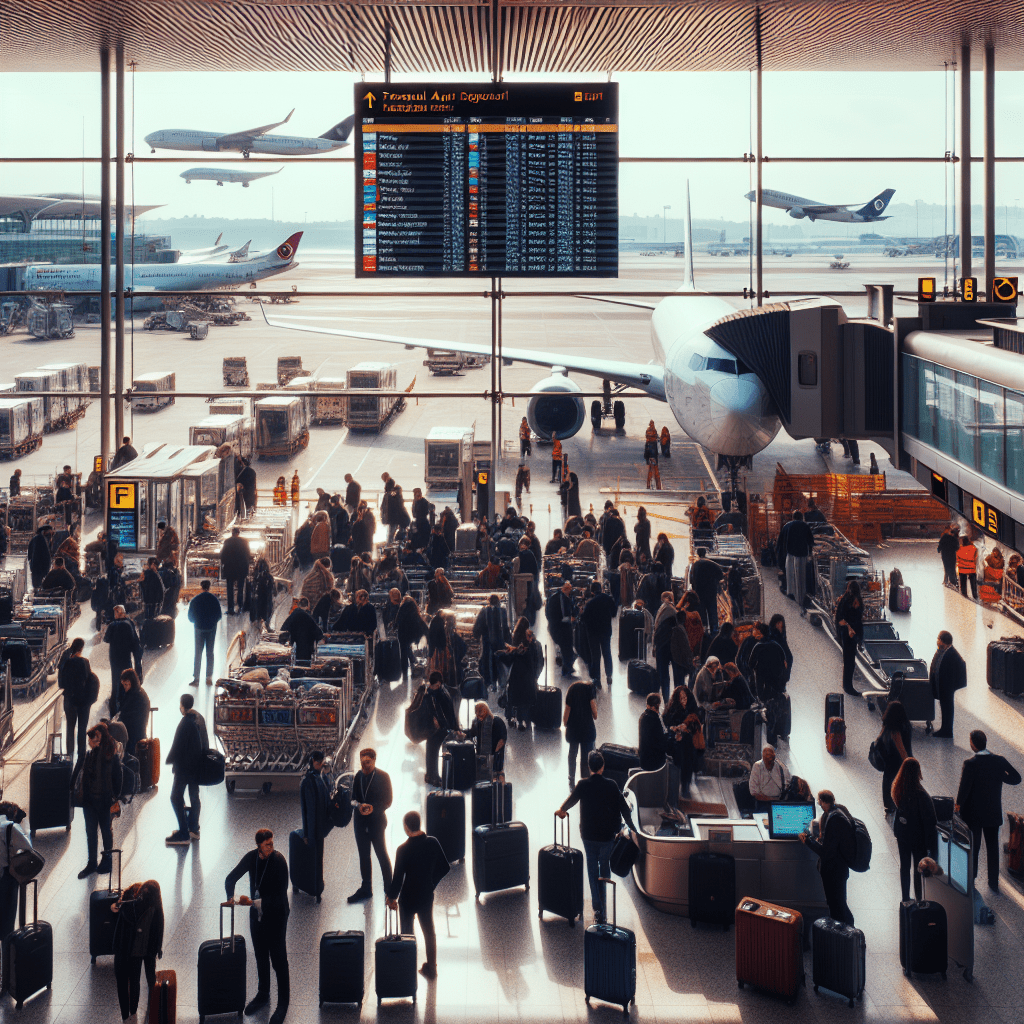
(388, 934)
(110, 877)
(23, 902)
(231, 904)
(53, 752)
(152, 711)
(566, 831)
(611, 882)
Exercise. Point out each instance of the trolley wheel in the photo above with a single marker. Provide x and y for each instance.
(265, 788)
(229, 785)
(619, 411)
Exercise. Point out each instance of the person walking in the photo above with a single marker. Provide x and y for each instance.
(235, 559)
(411, 629)
(598, 614)
(191, 742)
(850, 630)
(245, 488)
(556, 460)
(705, 580)
(133, 712)
(100, 786)
(893, 745)
(81, 688)
(39, 555)
(602, 810)
(138, 941)
(152, 590)
(579, 719)
(420, 864)
(525, 659)
(125, 650)
(371, 795)
(295, 488)
(913, 824)
(979, 800)
(665, 622)
(642, 529)
(313, 798)
(767, 662)
(947, 674)
(443, 721)
(281, 491)
(204, 613)
(799, 549)
(268, 919)
(967, 566)
(490, 735)
(948, 546)
(353, 492)
(665, 439)
(491, 627)
(560, 610)
(834, 839)
(522, 483)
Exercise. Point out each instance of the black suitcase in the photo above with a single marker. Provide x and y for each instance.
(302, 865)
(394, 962)
(943, 807)
(630, 620)
(483, 802)
(1005, 665)
(834, 707)
(712, 888)
(780, 717)
(387, 660)
(102, 918)
(17, 652)
(28, 955)
(913, 692)
(220, 972)
(618, 760)
(342, 967)
(546, 712)
(501, 854)
(446, 817)
(923, 938)
(560, 878)
(463, 759)
(49, 791)
(609, 961)
(158, 632)
(642, 678)
(840, 958)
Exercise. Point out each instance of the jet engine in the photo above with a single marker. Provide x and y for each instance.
(796, 212)
(556, 412)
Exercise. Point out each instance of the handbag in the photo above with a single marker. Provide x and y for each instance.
(624, 854)
(211, 768)
(339, 806)
(22, 865)
(875, 756)
(419, 717)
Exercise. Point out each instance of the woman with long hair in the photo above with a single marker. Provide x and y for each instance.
(913, 823)
(850, 630)
(777, 632)
(138, 940)
(895, 745)
(524, 657)
(680, 706)
(100, 787)
(664, 553)
(445, 649)
(642, 529)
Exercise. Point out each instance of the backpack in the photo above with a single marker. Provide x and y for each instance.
(339, 806)
(835, 736)
(858, 853)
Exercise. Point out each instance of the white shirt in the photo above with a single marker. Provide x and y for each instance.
(768, 785)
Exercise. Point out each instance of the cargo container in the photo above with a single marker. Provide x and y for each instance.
(55, 407)
(70, 377)
(152, 382)
(372, 412)
(447, 453)
(281, 426)
(329, 408)
(223, 429)
(21, 426)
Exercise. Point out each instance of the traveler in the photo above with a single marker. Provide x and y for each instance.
(524, 439)
(737, 690)
(664, 624)
(340, 524)
(360, 577)
(602, 809)
(296, 488)
(979, 800)
(850, 630)
(371, 797)
(138, 940)
(560, 611)
(642, 529)
(913, 823)
(947, 674)
(528, 564)
(525, 659)
(314, 797)
(281, 491)
(614, 529)
(522, 482)
(100, 786)
(949, 544)
(39, 555)
(894, 744)
(833, 843)
(420, 864)
(303, 631)
(769, 778)
(125, 649)
(681, 652)
(967, 566)
(245, 487)
(491, 627)
(411, 629)
(133, 711)
(597, 615)
(556, 460)
(653, 471)
(167, 545)
(152, 590)
(570, 492)
(318, 581)
(13, 838)
(235, 559)
(359, 616)
(991, 589)
(188, 750)
(665, 439)
(364, 526)
(723, 646)
(204, 613)
(814, 515)
(664, 554)
(268, 919)
(353, 490)
(700, 516)
(1015, 569)
(443, 721)
(588, 548)
(710, 682)
(490, 735)
(705, 580)
(777, 632)
(15, 483)
(799, 548)
(653, 740)
(125, 454)
(58, 578)
(439, 590)
(80, 687)
(329, 609)
(557, 544)
(767, 661)
(580, 731)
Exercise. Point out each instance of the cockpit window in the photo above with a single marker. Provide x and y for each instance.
(696, 361)
(722, 365)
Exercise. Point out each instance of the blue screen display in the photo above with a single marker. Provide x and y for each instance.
(789, 819)
(959, 867)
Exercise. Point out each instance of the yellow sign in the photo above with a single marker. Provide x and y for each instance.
(1004, 289)
(120, 495)
(926, 289)
(984, 516)
(481, 478)
(369, 99)
(969, 289)
(97, 464)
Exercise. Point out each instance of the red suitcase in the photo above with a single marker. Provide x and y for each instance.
(769, 947)
(148, 752)
(163, 999)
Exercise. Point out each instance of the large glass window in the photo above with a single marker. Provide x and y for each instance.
(965, 430)
(942, 403)
(1015, 441)
(991, 441)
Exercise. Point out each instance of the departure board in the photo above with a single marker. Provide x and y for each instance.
(494, 180)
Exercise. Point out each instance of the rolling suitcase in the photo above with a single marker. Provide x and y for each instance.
(560, 878)
(923, 938)
(780, 717)
(483, 802)
(18, 654)
(49, 791)
(1005, 665)
(220, 972)
(642, 678)
(712, 888)
(840, 958)
(609, 961)
(387, 660)
(163, 999)
(909, 685)
(835, 736)
(148, 752)
(446, 816)
(618, 760)
(834, 707)
(501, 854)
(546, 712)
(342, 967)
(630, 620)
(462, 754)
(769, 947)
(28, 955)
(394, 962)
(302, 865)
(943, 807)
(158, 632)
(102, 918)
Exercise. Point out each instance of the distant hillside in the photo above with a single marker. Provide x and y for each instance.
(200, 232)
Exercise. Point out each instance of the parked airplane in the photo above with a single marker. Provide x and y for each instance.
(222, 174)
(217, 255)
(190, 255)
(798, 207)
(254, 140)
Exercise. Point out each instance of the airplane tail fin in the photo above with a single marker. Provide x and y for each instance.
(285, 251)
(341, 131)
(688, 282)
(239, 254)
(219, 237)
(877, 205)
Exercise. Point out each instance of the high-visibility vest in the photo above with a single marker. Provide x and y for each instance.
(967, 559)
(652, 434)
(280, 495)
(665, 436)
(524, 431)
(556, 451)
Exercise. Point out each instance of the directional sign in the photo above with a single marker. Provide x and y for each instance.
(1004, 289)
(926, 289)
(969, 289)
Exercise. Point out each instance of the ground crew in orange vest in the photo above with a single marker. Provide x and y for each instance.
(651, 437)
(653, 473)
(992, 577)
(280, 492)
(967, 566)
(524, 439)
(556, 460)
(295, 488)
(666, 441)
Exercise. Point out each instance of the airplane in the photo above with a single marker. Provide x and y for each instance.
(254, 140)
(190, 255)
(222, 174)
(798, 207)
(216, 255)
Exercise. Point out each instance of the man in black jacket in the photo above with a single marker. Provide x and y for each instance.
(491, 627)
(125, 454)
(328, 609)
(949, 544)
(358, 617)
(799, 545)
(598, 615)
(705, 578)
(245, 488)
(303, 630)
(833, 846)
(420, 864)
(613, 529)
(204, 614)
(979, 800)
(125, 650)
(654, 739)
(443, 720)
(665, 621)
(191, 742)
(314, 798)
(353, 489)
(947, 674)
(561, 613)
(767, 661)
(371, 792)
(152, 590)
(235, 557)
(58, 578)
(39, 556)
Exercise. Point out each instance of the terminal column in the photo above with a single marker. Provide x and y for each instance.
(105, 448)
(990, 167)
(119, 243)
(965, 160)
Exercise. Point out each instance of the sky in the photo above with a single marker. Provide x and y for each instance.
(684, 114)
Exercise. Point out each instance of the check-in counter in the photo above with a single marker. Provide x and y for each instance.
(779, 871)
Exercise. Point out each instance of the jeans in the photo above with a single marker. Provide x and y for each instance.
(204, 638)
(371, 833)
(97, 817)
(849, 661)
(77, 717)
(598, 866)
(833, 881)
(972, 578)
(270, 946)
(991, 834)
(796, 577)
(128, 972)
(236, 594)
(425, 913)
(600, 646)
(583, 747)
(188, 821)
(663, 658)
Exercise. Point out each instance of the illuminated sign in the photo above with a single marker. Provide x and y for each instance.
(97, 464)
(985, 516)
(1004, 289)
(926, 289)
(123, 514)
(482, 477)
(120, 495)
(969, 289)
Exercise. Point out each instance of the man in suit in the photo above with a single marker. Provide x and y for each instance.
(834, 839)
(371, 792)
(799, 545)
(314, 797)
(561, 613)
(979, 800)
(948, 673)
(491, 627)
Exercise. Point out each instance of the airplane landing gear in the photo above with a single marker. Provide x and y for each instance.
(220, 184)
(245, 154)
(604, 408)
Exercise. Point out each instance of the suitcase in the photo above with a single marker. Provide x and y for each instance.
(624, 854)
(835, 736)
(889, 650)
(943, 808)
(28, 956)
(387, 660)
(483, 802)
(394, 962)
(904, 598)
(560, 878)
(880, 630)
(220, 972)
(609, 961)
(546, 712)
(446, 817)
(163, 999)
(302, 866)
(158, 632)
(840, 956)
(501, 854)
(49, 791)
(780, 717)
(923, 938)
(642, 678)
(463, 763)
(769, 947)
(148, 752)
(1005, 665)
(712, 888)
(913, 692)
(835, 707)
(17, 652)
(618, 760)
(342, 967)
(102, 918)
(630, 620)
(895, 582)
(1015, 847)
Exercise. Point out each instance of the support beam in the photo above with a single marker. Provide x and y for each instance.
(964, 199)
(387, 49)
(105, 447)
(989, 94)
(759, 157)
(119, 245)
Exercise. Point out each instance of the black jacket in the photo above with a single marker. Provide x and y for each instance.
(204, 611)
(133, 711)
(325, 611)
(614, 528)
(101, 778)
(768, 663)
(191, 742)
(528, 561)
(304, 633)
(492, 625)
(799, 539)
(980, 796)
(125, 454)
(914, 822)
(59, 578)
(358, 619)
(234, 558)
(73, 679)
(39, 555)
(705, 576)
(598, 615)
(314, 798)
(834, 844)
(723, 649)
(152, 587)
(352, 493)
(602, 808)
(269, 878)
(373, 789)
(442, 706)
(654, 741)
(948, 546)
(124, 644)
(853, 616)
(420, 864)
(409, 624)
(948, 672)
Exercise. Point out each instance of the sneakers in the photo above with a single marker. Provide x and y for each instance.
(178, 839)
(194, 835)
(362, 893)
(258, 1000)
(195, 682)
(89, 869)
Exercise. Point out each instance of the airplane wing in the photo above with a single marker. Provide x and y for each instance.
(834, 208)
(648, 377)
(235, 138)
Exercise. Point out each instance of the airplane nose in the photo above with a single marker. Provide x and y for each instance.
(152, 137)
(738, 416)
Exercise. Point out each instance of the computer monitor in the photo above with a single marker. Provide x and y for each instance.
(959, 867)
(787, 821)
(942, 853)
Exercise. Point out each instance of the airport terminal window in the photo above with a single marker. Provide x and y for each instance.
(1015, 441)
(942, 404)
(913, 380)
(966, 425)
(991, 436)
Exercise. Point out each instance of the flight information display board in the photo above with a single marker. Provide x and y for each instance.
(495, 180)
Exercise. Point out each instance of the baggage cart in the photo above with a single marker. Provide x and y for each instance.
(373, 412)
(152, 382)
(236, 372)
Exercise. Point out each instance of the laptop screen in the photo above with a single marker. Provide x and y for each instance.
(786, 821)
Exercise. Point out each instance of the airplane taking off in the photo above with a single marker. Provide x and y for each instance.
(798, 207)
(222, 175)
(254, 140)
